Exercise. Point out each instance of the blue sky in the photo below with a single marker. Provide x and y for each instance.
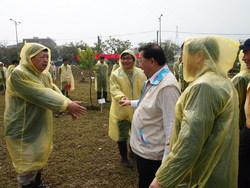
(134, 20)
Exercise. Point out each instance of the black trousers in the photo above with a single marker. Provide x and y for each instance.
(146, 169)
(122, 146)
(244, 159)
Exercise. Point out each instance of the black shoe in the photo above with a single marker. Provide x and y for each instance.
(42, 185)
(127, 163)
(35, 185)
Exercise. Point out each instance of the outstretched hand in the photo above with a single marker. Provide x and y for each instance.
(125, 101)
(75, 109)
(155, 184)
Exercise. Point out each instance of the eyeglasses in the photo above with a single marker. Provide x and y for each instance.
(128, 58)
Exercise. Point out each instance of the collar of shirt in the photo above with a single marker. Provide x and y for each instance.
(159, 75)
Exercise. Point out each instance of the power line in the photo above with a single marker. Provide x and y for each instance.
(179, 32)
(127, 34)
(147, 32)
(206, 33)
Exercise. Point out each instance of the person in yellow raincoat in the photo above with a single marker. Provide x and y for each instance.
(116, 65)
(125, 82)
(101, 79)
(3, 77)
(205, 139)
(178, 72)
(240, 81)
(11, 67)
(66, 78)
(176, 68)
(30, 98)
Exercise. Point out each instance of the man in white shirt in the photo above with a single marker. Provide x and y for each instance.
(153, 118)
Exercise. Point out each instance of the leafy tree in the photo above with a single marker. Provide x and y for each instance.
(8, 54)
(86, 61)
(170, 49)
(113, 45)
(70, 50)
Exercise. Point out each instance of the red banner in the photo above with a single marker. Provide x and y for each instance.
(111, 56)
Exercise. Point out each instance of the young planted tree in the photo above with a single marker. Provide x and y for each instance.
(86, 61)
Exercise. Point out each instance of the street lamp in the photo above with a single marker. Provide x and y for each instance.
(16, 23)
(160, 29)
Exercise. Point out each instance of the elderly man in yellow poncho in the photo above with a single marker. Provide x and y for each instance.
(30, 98)
(205, 139)
(126, 82)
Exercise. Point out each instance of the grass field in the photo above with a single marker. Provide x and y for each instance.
(83, 155)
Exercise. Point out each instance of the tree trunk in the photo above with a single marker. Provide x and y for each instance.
(90, 89)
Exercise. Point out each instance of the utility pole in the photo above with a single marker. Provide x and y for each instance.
(99, 42)
(157, 37)
(176, 35)
(160, 29)
(16, 23)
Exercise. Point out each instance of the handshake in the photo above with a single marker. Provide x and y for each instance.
(125, 101)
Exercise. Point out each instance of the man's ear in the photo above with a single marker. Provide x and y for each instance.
(153, 61)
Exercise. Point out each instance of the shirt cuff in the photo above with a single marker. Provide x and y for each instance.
(134, 103)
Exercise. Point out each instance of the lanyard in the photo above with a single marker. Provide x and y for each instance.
(147, 86)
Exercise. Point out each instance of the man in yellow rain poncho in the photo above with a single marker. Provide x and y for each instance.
(66, 78)
(240, 81)
(126, 82)
(176, 68)
(3, 71)
(205, 140)
(101, 79)
(30, 98)
(178, 71)
(116, 65)
(11, 67)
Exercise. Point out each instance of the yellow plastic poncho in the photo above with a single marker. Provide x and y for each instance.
(205, 138)
(101, 76)
(9, 70)
(176, 68)
(240, 82)
(30, 98)
(115, 66)
(182, 82)
(123, 83)
(66, 77)
(3, 77)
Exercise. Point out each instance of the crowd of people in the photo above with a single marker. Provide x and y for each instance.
(189, 128)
